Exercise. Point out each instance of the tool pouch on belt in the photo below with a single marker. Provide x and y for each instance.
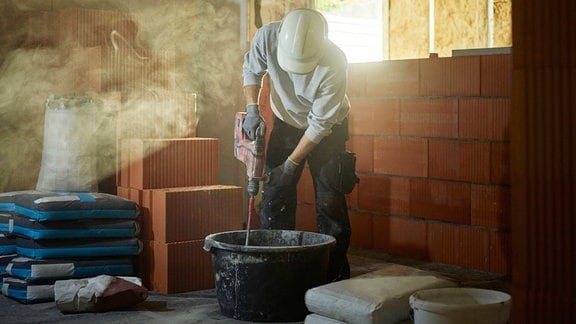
(340, 172)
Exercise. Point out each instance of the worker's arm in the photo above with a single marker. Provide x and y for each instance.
(304, 147)
(251, 93)
(284, 173)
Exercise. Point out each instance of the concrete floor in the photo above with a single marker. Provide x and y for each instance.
(202, 306)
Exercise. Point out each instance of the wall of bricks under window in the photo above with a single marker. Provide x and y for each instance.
(433, 154)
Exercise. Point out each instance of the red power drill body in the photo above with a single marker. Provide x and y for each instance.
(250, 152)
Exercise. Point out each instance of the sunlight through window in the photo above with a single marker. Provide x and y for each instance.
(356, 27)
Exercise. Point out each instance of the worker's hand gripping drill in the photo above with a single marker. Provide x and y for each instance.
(254, 129)
(252, 122)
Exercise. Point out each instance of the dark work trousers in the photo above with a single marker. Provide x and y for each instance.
(279, 203)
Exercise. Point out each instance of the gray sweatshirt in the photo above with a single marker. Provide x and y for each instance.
(315, 101)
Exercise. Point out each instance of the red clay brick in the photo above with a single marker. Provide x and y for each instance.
(475, 252)
(136, 195)
(496, 75)
(459, 245)
(363, 147)
(388, 195)
(429, 117)
(500, 163)
(190, 213)
(434, 77)
(361, 224)
(464, 75)
(466, 161)
(145, 216)
(401, 156)
(306, 218)
(170, 163)
(380, 233)
(441, 243)
(176, 267)
(393, 78)
(484, 118)
(491, 206)
(374, 116)
(408, 237)
(475, 117)
(501, 118)
(440, 200)
(500, 252)
(123, 192)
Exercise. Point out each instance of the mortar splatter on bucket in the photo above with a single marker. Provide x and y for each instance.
(460, 305)
(266, 281)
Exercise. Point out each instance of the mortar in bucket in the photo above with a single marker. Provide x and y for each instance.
(266, 280)
(460, 305)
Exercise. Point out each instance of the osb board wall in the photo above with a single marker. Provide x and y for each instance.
(408, 29)
(502, 23)
(461, 24)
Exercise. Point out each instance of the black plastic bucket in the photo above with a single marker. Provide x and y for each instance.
(266, 280)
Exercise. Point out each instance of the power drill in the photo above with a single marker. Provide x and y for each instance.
(251, 153)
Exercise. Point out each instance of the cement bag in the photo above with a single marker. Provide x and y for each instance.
(98, 294)
(69, 157)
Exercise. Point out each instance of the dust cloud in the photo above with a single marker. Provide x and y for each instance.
(160, 67)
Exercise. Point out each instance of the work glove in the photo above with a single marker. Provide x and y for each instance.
(252, 121)
(283, 174)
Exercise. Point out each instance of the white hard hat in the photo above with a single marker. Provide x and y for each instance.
(301, 41)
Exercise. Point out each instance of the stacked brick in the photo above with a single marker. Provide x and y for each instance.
(175, 181)
(433, 154)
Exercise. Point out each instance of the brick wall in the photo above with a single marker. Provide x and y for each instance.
(433, 155)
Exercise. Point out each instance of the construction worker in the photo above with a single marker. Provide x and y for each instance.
(307, 74)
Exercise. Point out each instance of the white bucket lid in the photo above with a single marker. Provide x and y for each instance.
(450, 299)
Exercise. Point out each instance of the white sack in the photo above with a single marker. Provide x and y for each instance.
(69, 154)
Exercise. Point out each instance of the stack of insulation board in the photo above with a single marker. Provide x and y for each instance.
(175, 182)
(53, 236)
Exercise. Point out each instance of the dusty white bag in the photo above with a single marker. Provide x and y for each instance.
(69, 155)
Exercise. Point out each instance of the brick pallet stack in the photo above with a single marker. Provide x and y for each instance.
(175, 181)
